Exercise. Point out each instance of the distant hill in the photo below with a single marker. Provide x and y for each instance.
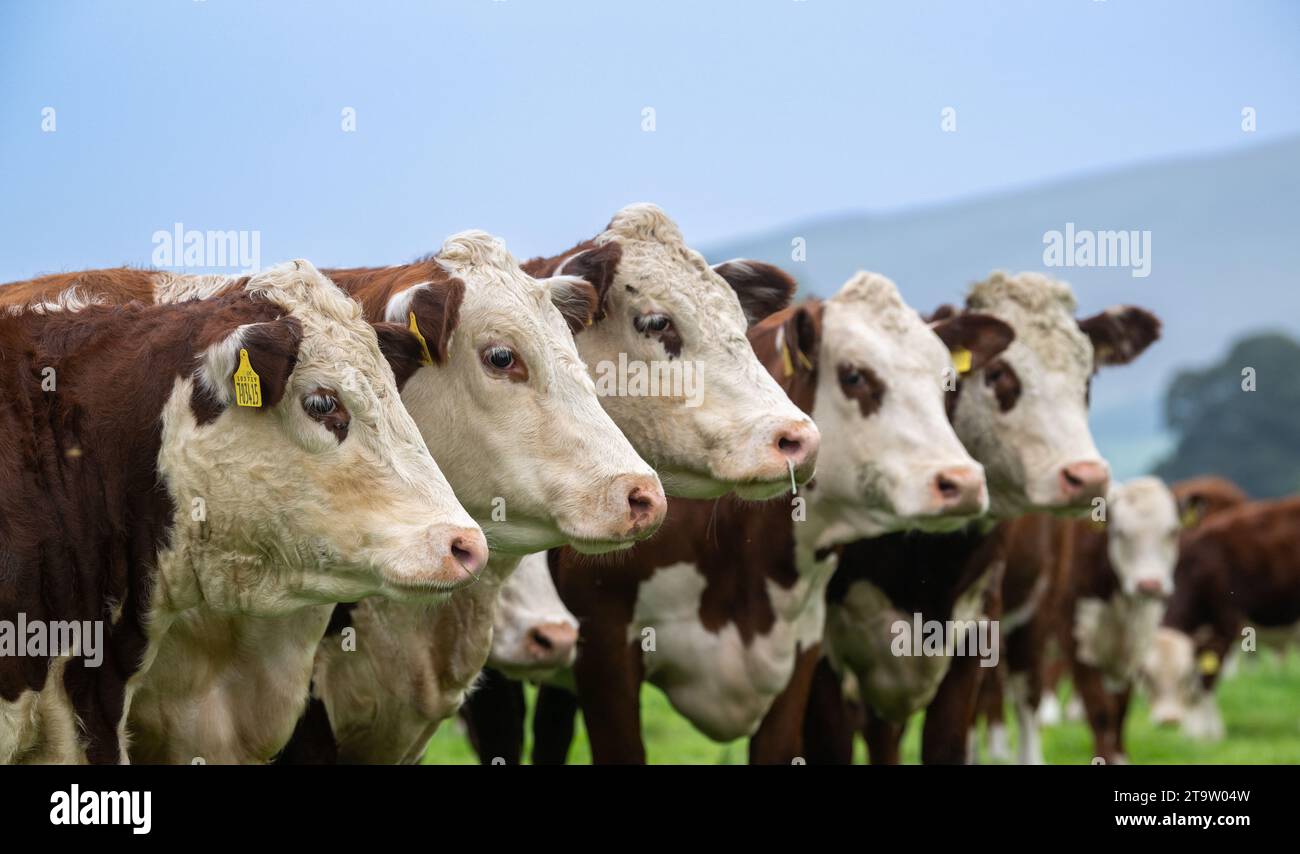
(1225, 249)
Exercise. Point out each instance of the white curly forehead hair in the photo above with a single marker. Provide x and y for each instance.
(1040, 309)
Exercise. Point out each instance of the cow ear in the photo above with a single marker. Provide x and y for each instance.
(787, 343)
(983, 336)
(1120, 334)
(430, 311)
(763, 289)
(576, 300)
(401, 349)
(250, 367)
(598, 267)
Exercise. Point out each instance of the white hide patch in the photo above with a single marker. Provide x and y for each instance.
(721, 685)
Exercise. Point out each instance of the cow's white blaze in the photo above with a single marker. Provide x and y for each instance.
(730, 440)
(1142, 529)
(538, 462)
(877, 472)
(1024, 449)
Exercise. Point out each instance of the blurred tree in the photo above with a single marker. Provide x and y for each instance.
(1251, 437)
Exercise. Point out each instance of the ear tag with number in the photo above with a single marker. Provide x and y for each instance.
(425, 357)
(248, 385)
(961, 360)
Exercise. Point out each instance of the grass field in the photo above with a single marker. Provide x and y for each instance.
(1261, 708)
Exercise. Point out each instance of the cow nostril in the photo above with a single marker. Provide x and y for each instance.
(789, 447)
(465, 555)
(539, 637)
(947, 488)
(640, 503)
(1071, 479)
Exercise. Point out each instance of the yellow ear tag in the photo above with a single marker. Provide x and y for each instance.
(1209, 663)
(803, 360)
(425, 357)
(1190, 517)
(248, 385)
(961, 359)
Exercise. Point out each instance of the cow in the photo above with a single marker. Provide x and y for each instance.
(1237, 570)
(562, 471)
(1112, 596)
(711, 422)
(1023, 415)
(245, 455)
(719, 610)
(534, 637)
(1048, 561)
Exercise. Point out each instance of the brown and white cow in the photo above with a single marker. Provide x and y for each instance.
(659, 307)
(1238, 569)
(1047, 561)
(718, 610)
(1113, 588)
(246, 454)
(561, 471)
(1023, 415)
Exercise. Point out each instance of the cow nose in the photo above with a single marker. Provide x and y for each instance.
(959, 490)
(1151, 587)
(646, 505)
(552, 643)
(798, 442)
(1166, 718)
(467, 554)
(1083, 481)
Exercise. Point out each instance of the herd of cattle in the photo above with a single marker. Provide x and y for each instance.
(276, 495)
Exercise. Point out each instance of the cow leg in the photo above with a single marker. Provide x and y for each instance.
(553, 721)
(779, 738)
(992, 701)
(827, 731)
(494, 714)
(950, 715)
(883, 738)
(1121, 712)
(1097, 705)
(608, 673)
(1031, 737)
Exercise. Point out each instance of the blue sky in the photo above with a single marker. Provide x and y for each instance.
(525, 118)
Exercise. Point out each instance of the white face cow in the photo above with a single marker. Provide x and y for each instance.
(512, 415)
(1142, 529)
(719, 422)
(1025, 414)
(533, 634)
(326, 484)
(1174, 679)
(889, 457)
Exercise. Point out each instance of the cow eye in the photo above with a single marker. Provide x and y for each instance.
(994, 374)
(852, 377)
(319, 404)
(652, 322)
(500, 358)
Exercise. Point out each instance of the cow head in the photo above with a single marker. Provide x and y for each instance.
(509, 411)
(1142, 529)
(871, 372)
(1179, 672)
(711, 420)
(533, 633)
(289, 455)
(1024, 415)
